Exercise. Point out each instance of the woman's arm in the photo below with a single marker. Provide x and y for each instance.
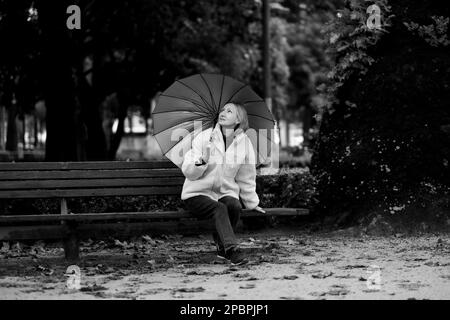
(193, 164)
(246, 179)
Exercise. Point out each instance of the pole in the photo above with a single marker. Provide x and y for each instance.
(273, 159)
(266, 52)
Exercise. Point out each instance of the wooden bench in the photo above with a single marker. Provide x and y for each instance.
(63, 180)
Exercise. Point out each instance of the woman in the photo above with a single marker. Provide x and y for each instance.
(220, 169)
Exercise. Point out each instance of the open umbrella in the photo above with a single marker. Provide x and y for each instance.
(193, 104)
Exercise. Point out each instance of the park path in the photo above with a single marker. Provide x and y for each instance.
(285, 264)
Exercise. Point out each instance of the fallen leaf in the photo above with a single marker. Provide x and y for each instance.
(337, 292)
(148, 239)
(355, 266)
(322, 275)
(371, 290)
(5, 247)
(200, 273)
(87, 243)
(49, 272)
(272, 246)
(241, 275)
(251, 279)
(17, 247)
(247, 286)
(197, 289)
(45, 271)
(120, 244)
(93, 287)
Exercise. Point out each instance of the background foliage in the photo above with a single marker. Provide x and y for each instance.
(385, 137)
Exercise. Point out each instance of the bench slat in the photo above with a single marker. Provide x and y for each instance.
(89, 174)
(143, 215)
(105, 230)
(89, 183)
(86, 165)
(68, 193)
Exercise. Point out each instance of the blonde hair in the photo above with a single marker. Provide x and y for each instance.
(242, 116)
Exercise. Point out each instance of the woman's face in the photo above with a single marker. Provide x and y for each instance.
(228, 116)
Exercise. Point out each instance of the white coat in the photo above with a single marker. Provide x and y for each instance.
(227, 173)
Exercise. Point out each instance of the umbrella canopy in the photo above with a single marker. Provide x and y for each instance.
(193, 104)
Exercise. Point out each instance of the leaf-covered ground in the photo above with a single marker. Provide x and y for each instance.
(284, 264)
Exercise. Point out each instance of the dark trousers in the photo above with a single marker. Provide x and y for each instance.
(225, 214)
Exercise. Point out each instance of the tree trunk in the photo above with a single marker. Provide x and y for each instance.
(58, 86)
(90, 114)
(307, 117)
(11, 134)
(117, 137)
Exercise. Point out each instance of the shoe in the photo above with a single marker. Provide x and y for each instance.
(221, 254)
(236, 257)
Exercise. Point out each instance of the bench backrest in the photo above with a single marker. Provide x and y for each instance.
(87, 179)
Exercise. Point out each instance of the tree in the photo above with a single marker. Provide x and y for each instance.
(383, 144)
(58, 87)
(135, 48)
(140, 48)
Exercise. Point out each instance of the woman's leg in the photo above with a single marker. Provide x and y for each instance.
(234, 209)
(204, 207)
(234, 212)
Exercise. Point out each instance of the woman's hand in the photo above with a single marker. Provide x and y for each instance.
(259, 209)
(205, 157)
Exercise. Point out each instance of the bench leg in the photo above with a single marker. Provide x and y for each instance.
(71, 243)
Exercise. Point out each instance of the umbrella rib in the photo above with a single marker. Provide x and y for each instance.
(177, 142)
(253, 101)
(197, 94)
(179, 124)
(184, 120)
(236, 92)
(221, 91)
(188, 100)
(257, 149)
(180, 110)
(209, 89)
(262, 129)
(256, 115)
(260, 152)
(266, 136)
(160, 147)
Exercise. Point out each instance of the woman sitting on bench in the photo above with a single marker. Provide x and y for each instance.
(220, 168)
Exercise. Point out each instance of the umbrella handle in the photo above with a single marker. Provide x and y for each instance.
(208, 148)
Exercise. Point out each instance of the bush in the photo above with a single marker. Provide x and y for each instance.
(294, 187)
(387, 135)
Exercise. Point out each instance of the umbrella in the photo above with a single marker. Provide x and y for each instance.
(192, 104)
